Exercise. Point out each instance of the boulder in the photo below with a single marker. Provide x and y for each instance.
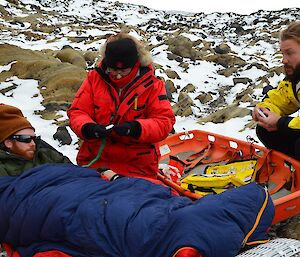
(184, 105)
(222, 49)
(226, 60)
(244, 96)
(170, 86)
(182, 46)
(58, 81)
(172, 74)
(63, 136)
(72, 56)
(10, 53)
(91, 57)
(204, 98)
(189, 88)
(241, 81)
(225, 114)
(228, 71)
(288, 229)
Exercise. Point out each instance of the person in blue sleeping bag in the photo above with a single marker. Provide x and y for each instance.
(70, 209)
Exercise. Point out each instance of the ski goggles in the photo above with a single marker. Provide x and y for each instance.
(23, 138)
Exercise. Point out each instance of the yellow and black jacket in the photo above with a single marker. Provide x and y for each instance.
(284, 100)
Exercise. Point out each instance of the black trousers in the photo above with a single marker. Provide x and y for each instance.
(287, 142)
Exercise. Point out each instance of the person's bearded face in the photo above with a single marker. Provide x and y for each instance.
(24, 149)
(290, 49)
(289, 70)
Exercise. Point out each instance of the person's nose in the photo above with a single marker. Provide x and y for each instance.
(32, 142)
(284, 59)
(118, 75)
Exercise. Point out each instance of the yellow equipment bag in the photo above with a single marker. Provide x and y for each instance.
(218, 178)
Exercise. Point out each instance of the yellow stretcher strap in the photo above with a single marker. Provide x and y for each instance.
(202, 190)
(218, 178)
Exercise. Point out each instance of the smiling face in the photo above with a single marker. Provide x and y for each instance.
(290, 50)
(26, 149)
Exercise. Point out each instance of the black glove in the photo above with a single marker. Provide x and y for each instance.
(132, 128)
(92, 130)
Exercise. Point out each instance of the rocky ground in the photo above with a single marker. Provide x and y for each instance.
(56, 47)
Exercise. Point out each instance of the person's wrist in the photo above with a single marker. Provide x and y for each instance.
(108, 174)
(115, 177)
(283, 123)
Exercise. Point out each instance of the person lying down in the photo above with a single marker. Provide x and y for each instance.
(71, 209)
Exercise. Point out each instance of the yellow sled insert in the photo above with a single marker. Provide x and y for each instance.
(218, 178)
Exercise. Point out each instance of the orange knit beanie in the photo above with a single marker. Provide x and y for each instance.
(11, 121)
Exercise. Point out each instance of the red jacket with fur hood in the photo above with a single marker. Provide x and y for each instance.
(143, 100)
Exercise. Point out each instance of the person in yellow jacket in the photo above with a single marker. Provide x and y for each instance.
(275, 127)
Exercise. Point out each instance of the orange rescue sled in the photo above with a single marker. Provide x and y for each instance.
(193, 153)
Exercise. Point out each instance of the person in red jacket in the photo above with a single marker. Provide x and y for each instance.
(121, 111)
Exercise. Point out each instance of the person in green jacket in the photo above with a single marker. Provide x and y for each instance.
(20, 149)
(277, 128)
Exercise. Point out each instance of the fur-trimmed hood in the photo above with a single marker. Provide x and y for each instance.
(144, 55)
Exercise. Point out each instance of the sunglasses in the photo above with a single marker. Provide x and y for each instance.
(23, 138)
(122, 72)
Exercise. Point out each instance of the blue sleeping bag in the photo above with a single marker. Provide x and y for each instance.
(69, 208)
